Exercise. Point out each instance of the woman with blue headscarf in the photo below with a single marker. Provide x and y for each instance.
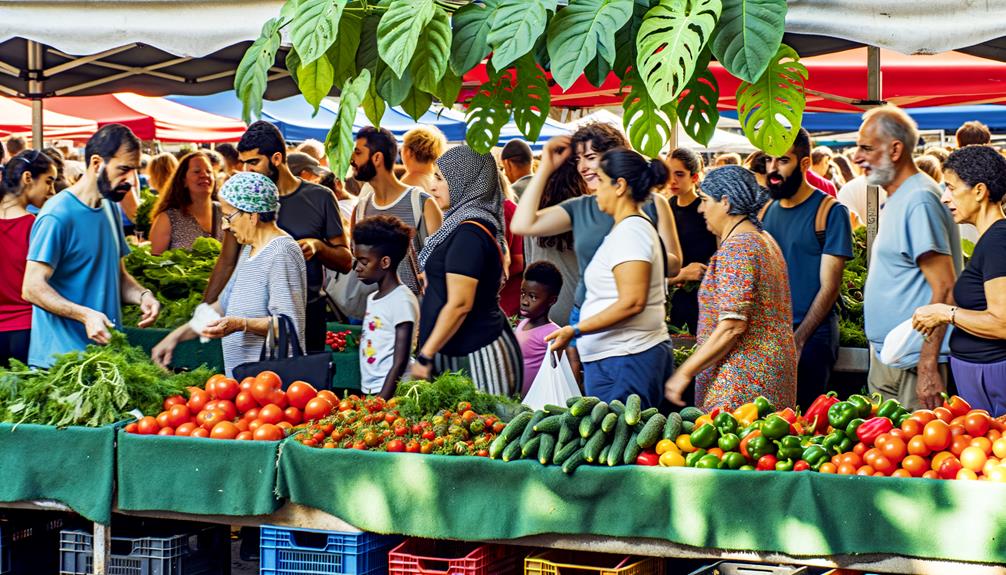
(745, 338)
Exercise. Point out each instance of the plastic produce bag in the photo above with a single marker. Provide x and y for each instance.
(554, 383)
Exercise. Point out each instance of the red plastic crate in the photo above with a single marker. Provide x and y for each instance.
(432, 557)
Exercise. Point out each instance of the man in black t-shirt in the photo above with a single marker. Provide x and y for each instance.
(308, 212)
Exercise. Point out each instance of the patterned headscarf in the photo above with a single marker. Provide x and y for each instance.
(251, 192)
(474, 187)
(740, 187)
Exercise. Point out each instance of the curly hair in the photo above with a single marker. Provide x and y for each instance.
(979, 165)
(388, 235)
(177, 196)
(546, 274)
(425, 143)
(564, 183)
(601, 135)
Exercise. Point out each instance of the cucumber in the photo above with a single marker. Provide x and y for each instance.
(564, 453)
(603, 458)
(509, 433)
(529, 428)
(687, 427)
(571, 400)
(512, 451)
(550, 424)
(584, 406)
(586, 427)
(691, 413)
(597, 414)
(672, 429)
(632, 409)
(574, 461)
(595, 444)
(650, 434)
(530, 448)
(546, 448)
(567, 431)
(648, 413)
(609, 422)
(617, 406)
(555, 409)
(632, 450)
(618, 443)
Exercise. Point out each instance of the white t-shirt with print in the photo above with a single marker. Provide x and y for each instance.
(377, 338)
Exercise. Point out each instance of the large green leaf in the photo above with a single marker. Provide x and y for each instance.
(417, 103)
(670, 39)
(293, 64)
(582, 30)
(393, 89)
(373, 104)
(697, 107)
(366, 55)
(339, 142)
(314, 27)
(433, 52)
(342, 54)
(597, 71)
(487, 114)
(748, 36)
(399, 30)
(315, 81)
(771, 109)
(448, 89)
(625, 39)
(648, 125)
(471, 25)
(287, 12)
(252, 74)
(530, 99)
(518, 23)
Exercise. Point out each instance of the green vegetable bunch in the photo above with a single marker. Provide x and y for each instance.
(145, 208)
(178, 277)
(419, 398)
(850, 326)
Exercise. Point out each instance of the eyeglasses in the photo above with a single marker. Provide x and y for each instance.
(227, 218)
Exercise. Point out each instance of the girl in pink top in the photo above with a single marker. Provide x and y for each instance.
(538, 293)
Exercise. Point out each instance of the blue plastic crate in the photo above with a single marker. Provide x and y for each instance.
(285, 551)
(28, 543)
(191, 550)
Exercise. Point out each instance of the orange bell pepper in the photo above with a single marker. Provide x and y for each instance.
(702, 420)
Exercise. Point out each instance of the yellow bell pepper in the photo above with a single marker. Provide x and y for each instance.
(746, 414)
(702, 420)
(684, 443)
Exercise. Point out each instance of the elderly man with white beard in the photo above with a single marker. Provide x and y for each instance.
(915, 260)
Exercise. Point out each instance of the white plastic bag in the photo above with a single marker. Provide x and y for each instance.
(203, 315)
(553, 384)
(903, 346)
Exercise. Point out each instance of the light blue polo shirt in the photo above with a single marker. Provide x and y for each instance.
(915, 222)
(84, 247)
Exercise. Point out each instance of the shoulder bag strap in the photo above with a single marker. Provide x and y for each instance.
(764, 210)
(418, 215)
(269, 345)
(821, 221)
(663, 248)
(215, 227)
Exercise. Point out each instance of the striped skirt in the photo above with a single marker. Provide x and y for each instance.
(497, 368)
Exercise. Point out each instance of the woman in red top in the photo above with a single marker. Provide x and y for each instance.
(28, 178)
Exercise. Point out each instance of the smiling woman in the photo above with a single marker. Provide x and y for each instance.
(186, 211)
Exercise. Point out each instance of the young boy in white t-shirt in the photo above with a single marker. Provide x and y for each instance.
(379, 245)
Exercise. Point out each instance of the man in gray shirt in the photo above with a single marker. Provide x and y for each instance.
(517, 158)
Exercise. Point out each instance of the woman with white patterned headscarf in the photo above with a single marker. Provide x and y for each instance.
(461, 325)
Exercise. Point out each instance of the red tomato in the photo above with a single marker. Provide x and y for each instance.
(186, 428)
(299, 393)
(227, 406)
(412, 447)
(917, 446)
(200, 432)
(950, 467)
(269, 380)
(255, 424)
(268, 432)
(271, 413)
(211, 383)
(894, 449)
(197, 401)
(245, 402)
(224, 430)
(883, 465)
(147, 426)
(162, 419)
(944, 414)
(330, 396)
(242, 424)
(915, 465)
(178, 414)
(131, 428)
(977, 423)
(395, 446)
(245, 436)
(911, 427)
(262, 391)
(936, 433)
(173, 400)
(293, 415)
(227, 388)
(251, 414)
(286, 426)
(213, 417)
(278, 397)
(246, 384)
(959, 444)
(166, 431)
(317, 408)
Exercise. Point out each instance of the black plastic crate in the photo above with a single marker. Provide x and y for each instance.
(192, 549)
(28, 542)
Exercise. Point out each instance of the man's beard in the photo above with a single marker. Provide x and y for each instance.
(881, 175)
(366, 172)
(273, 173)
(785, 189)
(111, 194)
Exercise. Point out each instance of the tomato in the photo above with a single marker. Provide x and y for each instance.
(147, 426)
(266, 380)
(871, 455)
(286, 426)
(950, 467)
(911, 427)
(994, 434)
(943, 414)
(299, 393)
(242, 424)
(271, 413)
(865, 470)
(990, 464)
(901, 473)
(245, 436)
(278, 397)
(186, 428)
(860, 448)
(371, 439)
(395, 446)
(226, 406)
(915, 465)
(246, 384)
(977, 423)
(228, 388)
(973, 458)
(162, 419)
(957, 430)
(197, 401)
(894, 449)
(213, 417)
(200, 432)
(132, 427)
(999, 447)
(998, 474)
(262, 391)
(937, 435)
(173, 400)
(317, 408)
(244, 402)
(429, 435)
(178, 414)
(254, 424)
(896, 432)
(850, 458)
(938, 460)
(268, 432)
(251, 414)
(930, 475)
(828, 467)
(959, 443)
(224, 430)
(412, 447)
(983, 443)
(883, 464)
(293, 415)
(923, 416)
(917, 446)
(166, 431)
(330, 396)
(402, 431)
(966, 474)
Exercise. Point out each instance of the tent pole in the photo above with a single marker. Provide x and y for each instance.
(874, 91)
(35, 86)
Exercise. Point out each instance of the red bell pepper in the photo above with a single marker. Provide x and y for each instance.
(817, 413)
(766, 463)
(801, 466)
(794, 422)
(956, 405)
(872, 428)
(648, 457)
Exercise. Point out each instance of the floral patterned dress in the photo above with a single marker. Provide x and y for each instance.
(747, 279)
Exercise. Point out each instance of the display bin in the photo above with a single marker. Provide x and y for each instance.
(436, 557)
(557, 562)
(28, 543)
(285, 551)
(729, 568)
(188, 355)
(346, 364)
(161, 549)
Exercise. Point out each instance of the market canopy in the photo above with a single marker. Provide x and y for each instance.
(947, 118)
(15, 119)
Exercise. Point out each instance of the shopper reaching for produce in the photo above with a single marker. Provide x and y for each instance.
(269, 281)
(75, 278)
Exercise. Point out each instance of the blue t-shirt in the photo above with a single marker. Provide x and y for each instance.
(915, 223)
(793, 230)
(83, 246)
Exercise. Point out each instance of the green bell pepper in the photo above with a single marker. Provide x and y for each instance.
(850, 430)
(755, 426)
(846, 445)
(764, 406)
(708, 461)
(694, 456)
(729, 442)
(774, 427)
(784, 465)
(733, 460)
(840, 414)
(725, 423)
(900, 417)
(833, 439)
(864, 407)
(747, 468)
(760, 446)
(705, 436)
(889, 409)
(789, 447)
(815, 455)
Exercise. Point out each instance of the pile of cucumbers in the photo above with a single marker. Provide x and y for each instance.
(585, 431)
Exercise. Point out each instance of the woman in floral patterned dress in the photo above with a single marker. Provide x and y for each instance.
(745, 337)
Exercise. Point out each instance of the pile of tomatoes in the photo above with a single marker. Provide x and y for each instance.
(255, 409)
(949, 442)
(338, 341)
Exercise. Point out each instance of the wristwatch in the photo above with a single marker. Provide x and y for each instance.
(576, 331)
(423, 360)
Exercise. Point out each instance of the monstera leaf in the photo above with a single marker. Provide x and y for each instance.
(518, 23)
(748, 36)
(487, 114)
(648, 125)
(530, 98)
(671, 38)
(697, 107)
(582, 30)
(771, 109)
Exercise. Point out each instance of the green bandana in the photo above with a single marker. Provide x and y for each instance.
(251, 192)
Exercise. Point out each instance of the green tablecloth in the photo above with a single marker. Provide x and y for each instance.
(73, 466)
(346, 363)
(188, 355)
(193, 475)
(800, 514)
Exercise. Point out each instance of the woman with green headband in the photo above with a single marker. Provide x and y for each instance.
(270, 279)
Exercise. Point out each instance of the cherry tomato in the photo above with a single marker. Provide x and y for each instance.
(224, 430)
(299, 393)
(271, 413)
(147, 426)
(937, 435)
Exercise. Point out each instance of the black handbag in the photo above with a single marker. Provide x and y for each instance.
(289, 361)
